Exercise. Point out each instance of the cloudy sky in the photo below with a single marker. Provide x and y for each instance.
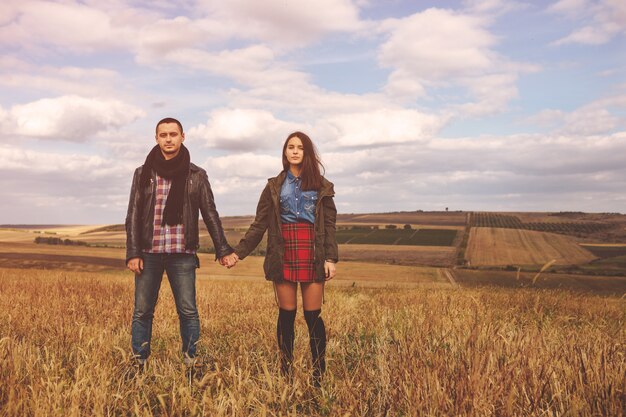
(471, 105)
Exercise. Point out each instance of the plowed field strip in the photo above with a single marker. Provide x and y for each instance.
(498, 246)
(50, 261)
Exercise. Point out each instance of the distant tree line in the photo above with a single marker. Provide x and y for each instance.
(58, 241)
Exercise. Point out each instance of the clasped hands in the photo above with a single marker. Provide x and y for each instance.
(229, 260)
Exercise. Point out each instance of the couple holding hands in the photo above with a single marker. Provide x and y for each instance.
(296, 208)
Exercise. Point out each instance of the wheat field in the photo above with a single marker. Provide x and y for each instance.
(64, 351)
(497, 246)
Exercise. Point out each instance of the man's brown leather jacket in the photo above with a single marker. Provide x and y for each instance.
(198, 197)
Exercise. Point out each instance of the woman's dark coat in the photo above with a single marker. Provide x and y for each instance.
(268, 218)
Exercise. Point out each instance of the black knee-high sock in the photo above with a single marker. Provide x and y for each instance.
(317, 339)
(285, 336)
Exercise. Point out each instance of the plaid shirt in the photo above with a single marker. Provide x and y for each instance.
(166, 239)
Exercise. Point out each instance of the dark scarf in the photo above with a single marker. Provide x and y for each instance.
(175, 169)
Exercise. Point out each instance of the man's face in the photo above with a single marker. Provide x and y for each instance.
(170, 138)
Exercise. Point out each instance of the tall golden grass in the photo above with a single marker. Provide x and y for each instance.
(64, 351)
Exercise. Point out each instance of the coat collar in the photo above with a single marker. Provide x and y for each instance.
(327, 190)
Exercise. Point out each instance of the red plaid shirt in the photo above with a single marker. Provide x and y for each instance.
(165, 238)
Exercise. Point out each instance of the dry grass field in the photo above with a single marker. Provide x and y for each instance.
(10, 235)
(597, 284)
(71, 258)
(357, 274)
(64, 351)
(93, 259)
(437, 256)
(402, 340)
(405, 255)
(497, 246)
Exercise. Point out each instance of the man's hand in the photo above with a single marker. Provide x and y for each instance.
(135, 265)
(229, 260)
(329, 270)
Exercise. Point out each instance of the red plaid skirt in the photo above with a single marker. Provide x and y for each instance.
(298, 264)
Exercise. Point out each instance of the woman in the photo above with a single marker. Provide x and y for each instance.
(297, 209)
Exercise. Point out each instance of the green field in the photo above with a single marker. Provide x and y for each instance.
(606, 251)
(430, 237)
(345, 236)
(610, 266)
(419, 237)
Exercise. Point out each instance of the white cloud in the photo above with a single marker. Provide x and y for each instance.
(243, 129)
(440, 48)
(590, 35)
(402, 84)
(589, 121)
(254, 65)
(64, 25)
(57, 187)
(185, 43)
(375, 175)
(245, 73)
(570, 7)
(602, 20)
(548, 171)
(157, 39)
(597, 117)
(71, 118)
(4, 117)
(492, 6)
(306, 101)
(285, 23)
(383, 127)
(8, 11)
(71, 170)
(547, 119)
(20, 75)
(239, 178)
(437, 44)
(472, 162)
(144, 29)
(492, 93)
(247, 165)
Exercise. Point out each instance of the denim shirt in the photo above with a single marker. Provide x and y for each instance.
(296, 205)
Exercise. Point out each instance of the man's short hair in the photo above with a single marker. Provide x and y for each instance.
(168, 120)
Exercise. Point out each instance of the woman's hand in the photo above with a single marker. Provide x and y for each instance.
(229, 261)
(330, 270)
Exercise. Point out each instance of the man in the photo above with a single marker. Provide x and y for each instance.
(162, 235)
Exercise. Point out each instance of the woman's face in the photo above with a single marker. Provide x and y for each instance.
(294, 152)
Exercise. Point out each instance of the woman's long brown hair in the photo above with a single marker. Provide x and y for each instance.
(311, 163)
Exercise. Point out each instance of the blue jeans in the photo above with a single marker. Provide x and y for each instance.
(181, 273)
